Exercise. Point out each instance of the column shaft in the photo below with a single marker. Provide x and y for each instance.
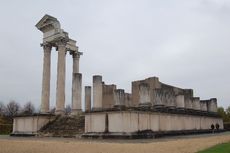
(46, 79)
(60, 92)
(119, 97)
(76, 93)
(87, 98)
(180, 101)
(144, 92)
(76, 57)
(97, 92)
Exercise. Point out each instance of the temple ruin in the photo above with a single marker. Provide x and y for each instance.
(152, 107)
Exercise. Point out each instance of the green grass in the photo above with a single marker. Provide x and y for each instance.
(220, 148)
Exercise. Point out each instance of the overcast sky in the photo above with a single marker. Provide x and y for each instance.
(185, 43)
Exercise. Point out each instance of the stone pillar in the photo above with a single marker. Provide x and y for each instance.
(196, 103)
(76, 93)
(76, 58)
(60, 92)
(214, 100)
(46, 79)
(158, 98)
(97, 92)
(87, 98)
(128, 100)
(119, 98)
(188, 102)
(212, 105)
(144, 92)
(203, 105)
(180, 101)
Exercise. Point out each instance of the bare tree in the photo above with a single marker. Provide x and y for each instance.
(12, 109)
(2, 109)
(28, 109)
(67, 109)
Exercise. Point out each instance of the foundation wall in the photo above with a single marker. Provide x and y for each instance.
(128, 122)
(29, 124)
(95, 122)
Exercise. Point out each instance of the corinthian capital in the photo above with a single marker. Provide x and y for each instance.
(61, 42)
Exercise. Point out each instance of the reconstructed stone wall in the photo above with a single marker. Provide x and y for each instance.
(153, 84)
(29, 124)
(128, 100)
(133, 121)
(169, 96)
(108, 95)
(95, 123)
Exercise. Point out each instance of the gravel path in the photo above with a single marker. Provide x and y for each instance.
(186, 144)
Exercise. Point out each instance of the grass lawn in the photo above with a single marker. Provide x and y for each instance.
(220, 148)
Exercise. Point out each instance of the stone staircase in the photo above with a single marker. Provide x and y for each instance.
(64, 126)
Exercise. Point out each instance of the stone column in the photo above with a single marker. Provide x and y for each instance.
(46, 79)
(76, 58)
(214, 102)
(196, 103)
(87, 98)
(60, 92)
(97, 92)
(212, 105)
(188, 102)
(128, 100)
(119, 98)
(180, 101)
(76, 93)
(144, 92)
(203, 105)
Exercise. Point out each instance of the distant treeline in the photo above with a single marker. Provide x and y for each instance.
(224, 113)
(13, 108)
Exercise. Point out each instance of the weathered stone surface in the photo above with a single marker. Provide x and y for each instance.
(204, 105)
(119, 97)
(97, 92)
(180, 101)
(196, 103)
(212, 105)
(108, 95)
(60, 92)
(128, 100)
(76, 93)
(95, 123)
(87, 98)
(133, 121)
(30, 124)
(45, 99)
(144, 94)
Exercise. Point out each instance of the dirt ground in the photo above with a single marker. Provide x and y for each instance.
(180, 144)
